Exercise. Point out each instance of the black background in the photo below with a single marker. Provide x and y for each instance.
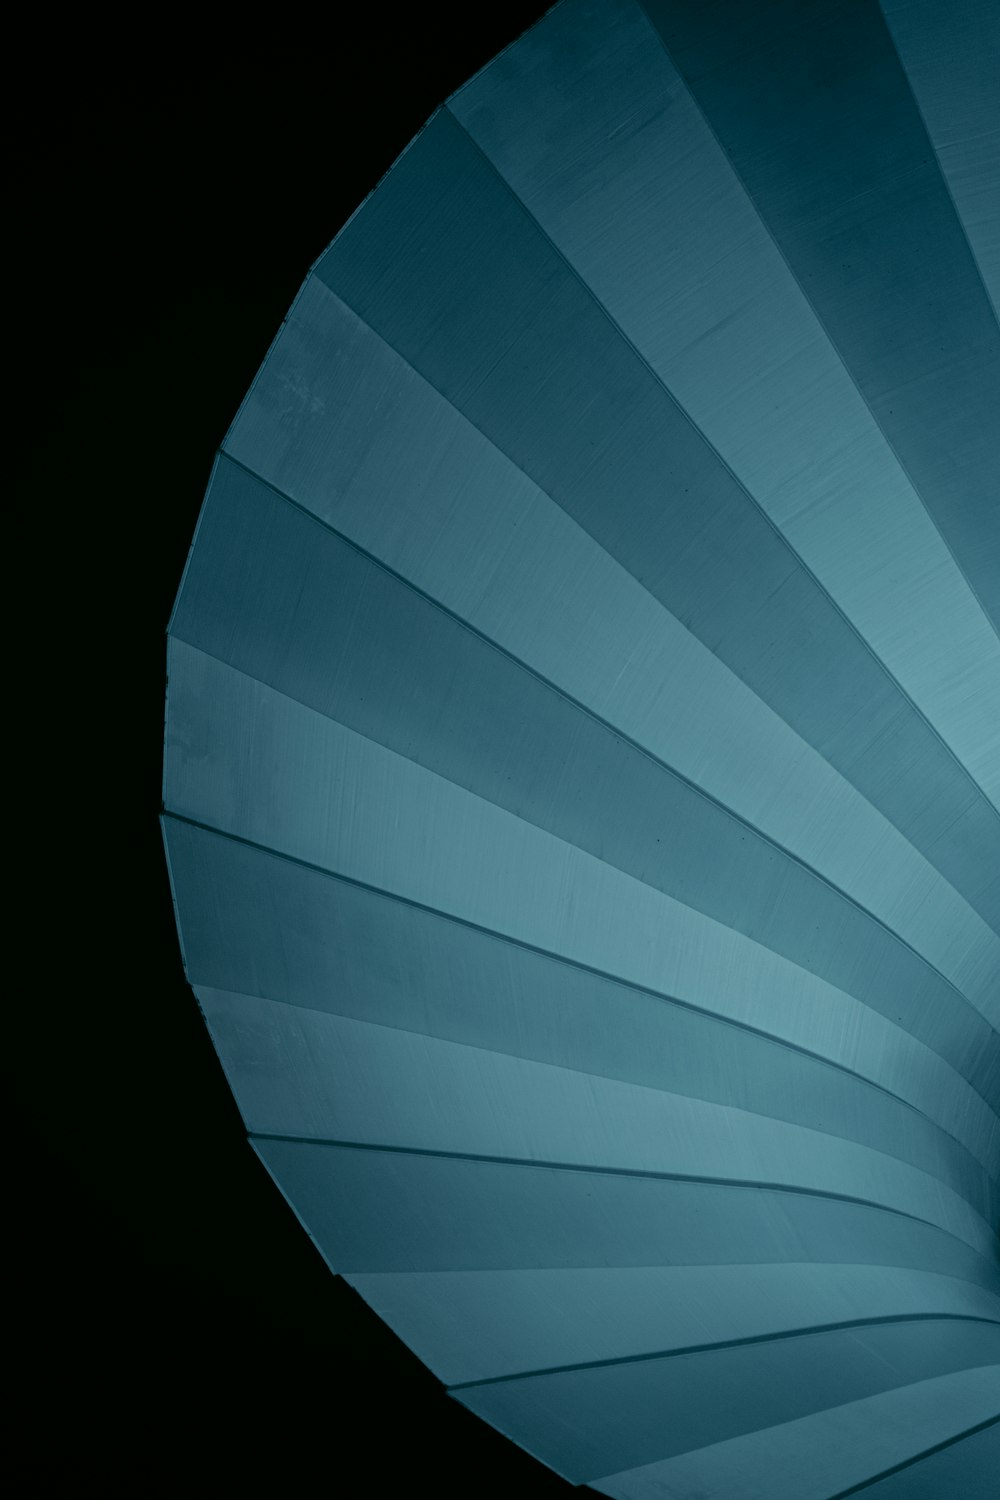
(170, 193)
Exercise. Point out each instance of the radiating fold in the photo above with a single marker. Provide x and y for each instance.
(583, 742)
(602, 142)
(260, 925)
(411, 1210)
(439, 505)
(950, 60)
(488, 1325)
(822, 1455)
(307, 614)
(818, 119)
(519, 344)
(252, 762)
(589, 1422)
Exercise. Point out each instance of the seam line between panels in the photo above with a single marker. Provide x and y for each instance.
(916, 1458)
(985, 1180)
(640, 749)
(571, 963)
(197, 529)
(606, 976)
(498, 55)
(979, 1202)
(963, 770)
(836, 349)
(812, 1331)
(281, 328)
(945, 182)
(592, 295)
(748, 1184)
(821, 588)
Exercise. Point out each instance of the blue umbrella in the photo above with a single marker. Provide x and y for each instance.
(583, 749)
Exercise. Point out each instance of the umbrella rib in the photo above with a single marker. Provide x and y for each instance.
(813, 1330)
(626, 738)
(915, 1458)
(560, 958)
(748, 1183)
(800, 561)
(821, 322)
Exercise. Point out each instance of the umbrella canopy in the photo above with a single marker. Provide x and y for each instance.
(583, 748)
